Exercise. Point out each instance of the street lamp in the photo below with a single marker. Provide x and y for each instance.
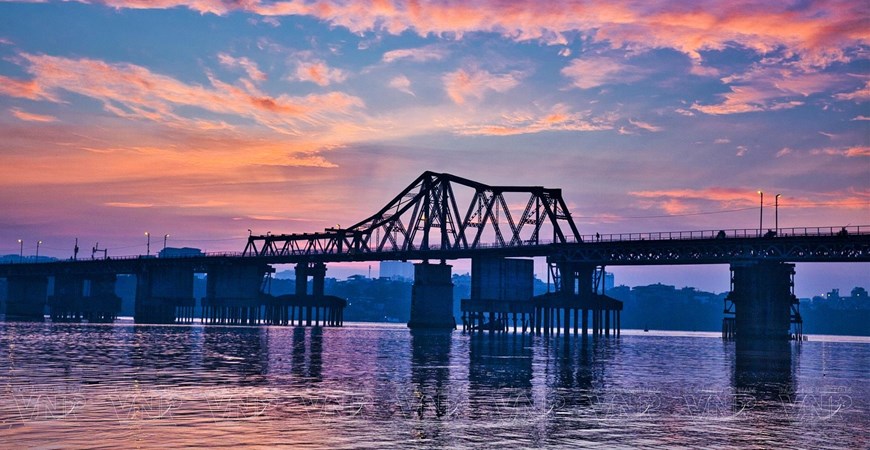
(148, 244)
(165, 236)
(37, 250)
(21, 250)
(776, 212)
(761, 213)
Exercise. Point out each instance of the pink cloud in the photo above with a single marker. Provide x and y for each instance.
(401, 83)
(246, 64)
(31, 117)
(769, 88)
(645, 126)
(860, 95)
(817, 33)
(463, 83)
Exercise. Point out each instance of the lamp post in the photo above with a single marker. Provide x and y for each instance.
(761, 213)
(148, 244)
(20, 250)
(165, 237)
(37, 250)
(776, 212)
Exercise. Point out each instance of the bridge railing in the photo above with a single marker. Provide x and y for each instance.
(588, 238)
(728, 233)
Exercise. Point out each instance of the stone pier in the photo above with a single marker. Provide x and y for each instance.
(432, 297)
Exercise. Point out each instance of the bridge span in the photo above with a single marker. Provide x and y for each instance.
(438, 218)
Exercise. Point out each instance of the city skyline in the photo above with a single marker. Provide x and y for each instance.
(202, 119)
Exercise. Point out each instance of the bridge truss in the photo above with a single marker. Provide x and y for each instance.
(426, 216)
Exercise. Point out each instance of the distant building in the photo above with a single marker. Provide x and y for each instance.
(396, 270)
(609, 281)
(173, 252)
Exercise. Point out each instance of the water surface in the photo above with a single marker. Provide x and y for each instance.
(381, 386)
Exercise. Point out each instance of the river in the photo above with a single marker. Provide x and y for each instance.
(382, 386)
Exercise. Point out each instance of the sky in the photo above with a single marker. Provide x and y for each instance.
(202, 119)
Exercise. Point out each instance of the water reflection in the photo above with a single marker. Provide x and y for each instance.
(240, 352)
(764, 373)
(430, 371)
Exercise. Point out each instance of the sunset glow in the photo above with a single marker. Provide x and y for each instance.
(205, 118)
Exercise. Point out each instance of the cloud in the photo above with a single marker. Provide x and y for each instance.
(742, 150)
(401, 83)
(134, 92)
(318, 72)
(645, 126)
(815, 33)
(128, 205)
(465, 83)
(31, 117)
(860, 118)
(680, 201)
(849, 152)
(783, 152)
(587, 73)
(246, 64)
(860, 95)
(422, 54)
(767, 87)
(559, 118)
(722, 141)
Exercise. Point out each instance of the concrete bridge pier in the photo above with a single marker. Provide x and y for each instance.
(233, 293)
(26, 297)
(88, 297)
(501, 292)
(764, 305)
(432, 297)
(67, 303)
(164, 294)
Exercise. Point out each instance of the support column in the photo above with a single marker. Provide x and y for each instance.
(26, 297)
(102, 305)
(160, 289)
(235, 288)
(432, 297)
(762, 295)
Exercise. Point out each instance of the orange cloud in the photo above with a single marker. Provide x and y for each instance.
(132, 91)
(463, 83)
(319, 73)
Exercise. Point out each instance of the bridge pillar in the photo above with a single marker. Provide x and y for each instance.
(164, 293)
(67, 302)
(233, 293)
(432, 297)
(762, 296)
(84, 296)
(26, 297)
(499, 287)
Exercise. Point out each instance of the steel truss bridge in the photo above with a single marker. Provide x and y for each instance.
(441, 216)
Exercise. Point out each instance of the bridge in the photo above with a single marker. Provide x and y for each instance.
(441, 217)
